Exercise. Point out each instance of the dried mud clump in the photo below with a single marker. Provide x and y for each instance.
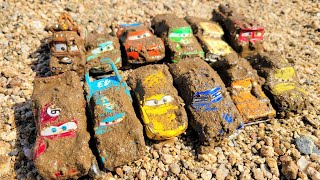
(281, 82)
(161, 109)
(62, 148)
(117, 130)
(211, 111)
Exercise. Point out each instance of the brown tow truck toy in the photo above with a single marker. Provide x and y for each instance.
(244, 35)
(62, 148)
(67, 47)
(281, 82)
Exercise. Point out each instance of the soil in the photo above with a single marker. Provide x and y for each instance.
(121, 142)
(269, 66)
(94, 63)
(59, 105)
(152, 80)
(192, 76)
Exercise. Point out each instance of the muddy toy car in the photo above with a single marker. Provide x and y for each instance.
(212, 113)
(117, 130)
(281, 82)
(210, 36)
(246, 91)
(177, 36)
(140, 44)
(244, 35)
(67, 47)
(161, 109)
(62, 146)
(101, 46)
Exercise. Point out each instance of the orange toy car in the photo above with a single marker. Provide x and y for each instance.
(250, 100)
(140, 44)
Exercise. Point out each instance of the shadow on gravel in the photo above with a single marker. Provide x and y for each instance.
(42, 56)
(26, 136)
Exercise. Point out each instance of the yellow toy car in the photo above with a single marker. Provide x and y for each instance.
(210, 36)
(162, 110)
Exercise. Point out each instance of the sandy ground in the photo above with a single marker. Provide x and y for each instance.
(262, 151)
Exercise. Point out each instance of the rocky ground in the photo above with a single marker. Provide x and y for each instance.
(281, 148)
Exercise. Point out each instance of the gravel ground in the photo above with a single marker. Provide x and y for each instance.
(266, 150)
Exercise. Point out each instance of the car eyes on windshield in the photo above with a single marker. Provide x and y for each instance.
(61, 47)
(102, 49)
(246, 34)
(144, 35)
(179, 35)
(53, 112)
(163, 100)
(54, 130)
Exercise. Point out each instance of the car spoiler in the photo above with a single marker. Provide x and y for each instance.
(130, 25)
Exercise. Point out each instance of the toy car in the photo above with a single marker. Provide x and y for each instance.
(246, 92)
(212, 113)
(140, 45)
(244, 35)
(161, 109)
(101, 46)
(177, 36)
(62, 145)
(281, 82)
(210, 36)
(67, 47)
(118, 132)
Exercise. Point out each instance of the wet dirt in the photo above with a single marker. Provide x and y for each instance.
(281, 82)
(161, 108)
(178, 37)
(62, 149)
(102, 47)
(232, 22)
(121, 141)
(212, 113)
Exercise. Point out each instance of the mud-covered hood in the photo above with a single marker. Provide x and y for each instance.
(216, 45)
(149, 43)
(191, 47)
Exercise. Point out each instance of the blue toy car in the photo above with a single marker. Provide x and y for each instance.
(118, 132)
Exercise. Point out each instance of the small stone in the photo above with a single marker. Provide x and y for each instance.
(119, 171)
(290, 170)
(9, 136)
(28, 153)
(175, 169)
(268, 141)
(313, 173)
(267, 151)
(303, 163)
(4, 165)
(155, 154)
(305, 145)
(142, 175)
(272, 163)
(206, 175)
(258, 174)
(191, 175)
(167, 158)
(222, 172)
(266, 171)
(9, 72)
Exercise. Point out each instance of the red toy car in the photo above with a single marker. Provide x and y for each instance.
(140, 44)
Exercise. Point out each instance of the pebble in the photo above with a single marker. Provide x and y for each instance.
(175, 168)
(191, 175)
(258, 174)
(142, 175)
(306, 145)
(303, 163)
(222, 172)
(9, 136)
(267, 151)
(290, 170)
(167, 158)
(207, 175)
(272, 163)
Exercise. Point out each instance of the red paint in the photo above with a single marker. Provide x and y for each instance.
(253, 37)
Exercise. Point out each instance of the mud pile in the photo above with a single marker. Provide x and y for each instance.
(62, 148)
(211, 111)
